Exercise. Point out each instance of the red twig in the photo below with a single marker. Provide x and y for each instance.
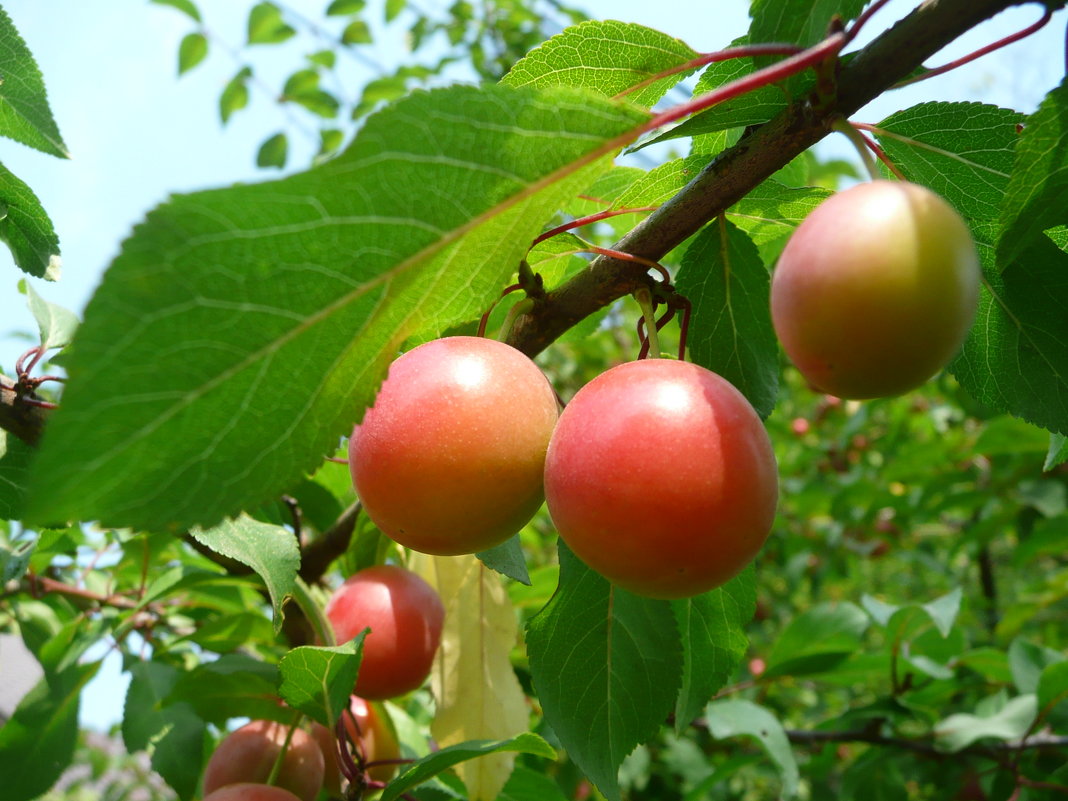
(587, 220)
(873, 146)
(860, 21)
(982, 51)
(711, 58)
(684, 323)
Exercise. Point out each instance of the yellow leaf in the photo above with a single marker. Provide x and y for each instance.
(478, 696)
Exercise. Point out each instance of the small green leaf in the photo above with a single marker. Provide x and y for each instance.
(394, 8)
(527, 784)
(273, 151)
(357, 32)
(1034, 199)
(508, 560)
(603, 660)
(817, 639)
(318, 101)
(1058, 451)
(301, 81)
(340, 8)
(1028, 661)
(608, 56)
(712, 626)
(1052, 687)
(13, 559)
(185, 6)
(745, 719)
(24, 112)
(55, 324)
(727, 284)
(266, 26)
(271, 551)
(37, 743)
(26, 228)
(323, 58)
(234, 95)
(430, 766)
(1011, 722)
(330, 141)
(192, 50)
(319, 680)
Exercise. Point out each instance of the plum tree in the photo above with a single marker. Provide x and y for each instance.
(876, 290)
(377, 742)
(449, 459)
(248, 754)
(661, 477)
(249, 791)
(405, 616)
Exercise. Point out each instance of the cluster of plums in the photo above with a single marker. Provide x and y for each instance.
(658, 474)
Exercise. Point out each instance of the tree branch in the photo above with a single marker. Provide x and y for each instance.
(21, 419)
(736, 171)
(867, 735)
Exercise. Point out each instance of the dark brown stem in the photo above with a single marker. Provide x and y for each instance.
(990, 588)
(26, 421)
(763, 150)
(318, 554)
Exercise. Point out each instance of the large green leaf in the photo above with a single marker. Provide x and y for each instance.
(37, 743)
(26, 228)
(250, 326)
(803, 22)
(817, 640)
(712, 626)
(608, 56)
(1035, 197)
(739, 718)
(1010, 722)
(607, 667)
(1015, 359)
(55, 323)
(15, 456)
(963, 151)
(24, 112)
(730, 328)
(233, 686)
(319, 680)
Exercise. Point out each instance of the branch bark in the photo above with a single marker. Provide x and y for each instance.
(762, 151)
(23, 420)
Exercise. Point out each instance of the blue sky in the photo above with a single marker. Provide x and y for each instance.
(138, 133)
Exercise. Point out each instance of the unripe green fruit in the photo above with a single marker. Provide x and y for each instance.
(661, 477)
(449, 459)
(876, 290)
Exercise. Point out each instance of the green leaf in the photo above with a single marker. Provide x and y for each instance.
(55, 324)
(394, 8)
(606, 665)
(192, 50)
(26, 228)
(745, 719)
(817, 639)
(271, 551)
(1028, 661)
(526, 784)
(356, 32)
(252, 372)
(1034, 200)
(803, 22)
(730, 328)
(340, 8)
(185, 6)
(317, 101)
(430, 766)
(24, 112)
(273, 151)
(173, 734)
(963, 151)
(507, 559)
(233, 686)
(266, 26)
(15, 559)
(234, 95)
(319, 680)
(37, 743)
(330, 141)
(712, 626)
(1011, 722)
(1058, 451)
(1014, 359)
(15, 458)
(323, 58)
(608, 56)
(771, 212)
(1052, 687)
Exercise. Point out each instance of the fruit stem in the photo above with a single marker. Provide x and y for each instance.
(276, 768)
(645, 301)
(587, 220)
(316, 617)
(843, 126)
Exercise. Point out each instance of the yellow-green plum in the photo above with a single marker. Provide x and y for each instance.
(449, 458)
(876, 290)
(661, 477)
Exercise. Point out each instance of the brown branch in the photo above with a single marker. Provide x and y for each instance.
(319, 553)
(762, 151)
(24, 420)
(868, 735)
